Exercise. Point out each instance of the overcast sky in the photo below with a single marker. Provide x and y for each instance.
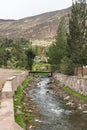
(17, 9)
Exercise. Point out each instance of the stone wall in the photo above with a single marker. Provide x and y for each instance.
(76, 83)
(7, 121)
(12, 83)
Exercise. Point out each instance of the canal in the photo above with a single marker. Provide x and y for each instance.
(55, 115)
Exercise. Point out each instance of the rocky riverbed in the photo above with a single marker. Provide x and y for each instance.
(31, 106)
(71, 100)
(73, 103)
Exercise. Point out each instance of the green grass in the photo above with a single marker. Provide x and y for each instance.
(71, 91)
(20, 117)
(41, 67)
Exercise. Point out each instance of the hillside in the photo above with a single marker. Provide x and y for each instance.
(37, 28)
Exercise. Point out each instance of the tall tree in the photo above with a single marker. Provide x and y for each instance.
(30, 56)
(58, 49)
(77, 37)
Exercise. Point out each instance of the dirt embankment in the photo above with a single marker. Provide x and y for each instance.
(32, 108)
(71, 100)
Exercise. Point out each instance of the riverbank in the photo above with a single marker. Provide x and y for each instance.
(50, 112)
(30, 109)
(71, 100)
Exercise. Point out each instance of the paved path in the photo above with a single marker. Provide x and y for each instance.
(5, 74)
(7, 116)
(7, 111)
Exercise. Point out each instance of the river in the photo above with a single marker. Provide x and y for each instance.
(55, 114)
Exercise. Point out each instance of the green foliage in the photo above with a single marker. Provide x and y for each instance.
(39, 50)
(71, 91)
(30, 57)
(67, 66)
(12, 53)
(4, 56)
(41, 67)
(70, 51)
(20, 118)
(58, 49)
(53, 56)
(77, 37)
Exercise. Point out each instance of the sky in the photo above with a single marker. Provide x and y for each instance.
(17, 9)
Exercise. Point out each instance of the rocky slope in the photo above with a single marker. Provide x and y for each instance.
(40, 27)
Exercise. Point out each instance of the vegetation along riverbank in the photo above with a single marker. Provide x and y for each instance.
(25, 108)
(27, 112)
(71, 97)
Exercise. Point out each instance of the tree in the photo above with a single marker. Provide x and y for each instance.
(12, 52)
(6, 42)
(1, 56)
(30, 56)
(67, 66)
(77, 36)
(4, 56)
(58, 49)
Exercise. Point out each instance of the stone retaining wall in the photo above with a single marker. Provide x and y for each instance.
(76, 83)
(12, 83)
(7, 121)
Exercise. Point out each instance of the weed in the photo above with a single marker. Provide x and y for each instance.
(71, 91)
(19, 109)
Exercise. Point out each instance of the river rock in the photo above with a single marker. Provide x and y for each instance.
(70, 104)
(30, 111)
(37, 120)
(85, 112)
(30, 126)
(80, 108)
(18, 111)
(84, 105)
(19, 107)
(66, 98)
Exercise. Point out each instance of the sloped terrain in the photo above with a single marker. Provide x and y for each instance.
(40, 27)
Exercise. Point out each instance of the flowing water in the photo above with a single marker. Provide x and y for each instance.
(55, 114)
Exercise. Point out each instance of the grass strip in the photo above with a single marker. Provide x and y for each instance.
(71, 91)
(19, 108)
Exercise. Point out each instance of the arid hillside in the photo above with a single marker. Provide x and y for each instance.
(40, 27)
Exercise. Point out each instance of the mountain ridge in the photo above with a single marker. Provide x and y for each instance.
(38, 27)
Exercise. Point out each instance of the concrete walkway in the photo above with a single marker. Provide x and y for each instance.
(7, 116)
(7, 121)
